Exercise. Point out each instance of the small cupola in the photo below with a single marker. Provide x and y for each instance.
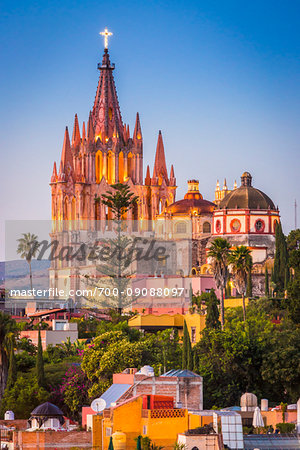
(193, 190)
(246, 179)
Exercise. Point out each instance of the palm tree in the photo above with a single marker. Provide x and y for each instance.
(7, 330)
(219, 252)
(241, 264)
(27, 248)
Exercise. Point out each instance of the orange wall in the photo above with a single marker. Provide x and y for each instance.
(274, 417)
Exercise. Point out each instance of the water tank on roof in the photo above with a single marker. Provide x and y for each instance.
(148, 371)
(9, 415)
(119, 440)
(248, 402)
(264, 404)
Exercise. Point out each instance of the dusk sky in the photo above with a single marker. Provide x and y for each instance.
(219, 78)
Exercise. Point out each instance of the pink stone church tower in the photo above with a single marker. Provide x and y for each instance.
(105, 153)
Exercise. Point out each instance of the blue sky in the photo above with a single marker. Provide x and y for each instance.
(219, 78)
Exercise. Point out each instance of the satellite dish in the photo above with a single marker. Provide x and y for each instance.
(98, 405)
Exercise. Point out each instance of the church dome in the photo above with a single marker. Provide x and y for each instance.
(246, 197)
(192, 202)
(47, 409)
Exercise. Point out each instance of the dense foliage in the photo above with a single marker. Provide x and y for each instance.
(259, 354)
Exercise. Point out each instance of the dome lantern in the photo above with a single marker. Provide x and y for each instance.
(246, 179)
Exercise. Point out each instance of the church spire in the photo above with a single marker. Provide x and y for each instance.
(90, 129)
(148, 178)
(160, 168)
(106, 112)
(61, 173)
(54, 173)
(83, 131)
(76, 133)
(66, 163)
(137, 134)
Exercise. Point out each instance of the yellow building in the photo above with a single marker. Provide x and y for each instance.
(195, 322)
(125, 422)
(151, 322)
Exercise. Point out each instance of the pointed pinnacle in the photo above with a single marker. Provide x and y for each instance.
(76, 132)
(172, 175)
(66, 155)
(90, 129)
(160, 167)
(137, 134)
(83, 131)
(54, 173)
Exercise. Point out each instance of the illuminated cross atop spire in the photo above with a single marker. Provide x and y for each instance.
(106, 33)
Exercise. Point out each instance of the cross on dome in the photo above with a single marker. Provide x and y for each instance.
(106, 33)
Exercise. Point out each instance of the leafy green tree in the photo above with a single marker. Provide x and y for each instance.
(218, 253)
(293, 286)
(293, 246)
(166, 349)
(110, 353)
(27, 248)
(7, 328)
(240, 261)
(40, 374)
(272, 275)
(230, 360)
(195, 361)
(280, 365)
(12, 370)
(286, 277)
(23, 397)
(187, 354)
(294, 300)
(120, 201)
(116, 269)
(267, 288)
(281, 258)
(212, 311)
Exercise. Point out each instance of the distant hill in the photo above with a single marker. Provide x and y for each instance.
(15, 274)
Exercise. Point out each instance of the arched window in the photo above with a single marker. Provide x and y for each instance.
(110, 168)
(99, 166)
(259, 226)
(180, 227)
(135, 217)
(66, 213)
(73, 209)
(130, 165)
(218, 226)
(235, 225)
(206, 227)
(121, 167)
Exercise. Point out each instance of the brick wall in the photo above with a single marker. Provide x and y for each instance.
(185, 391)
(60, 440)
(19, 424)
